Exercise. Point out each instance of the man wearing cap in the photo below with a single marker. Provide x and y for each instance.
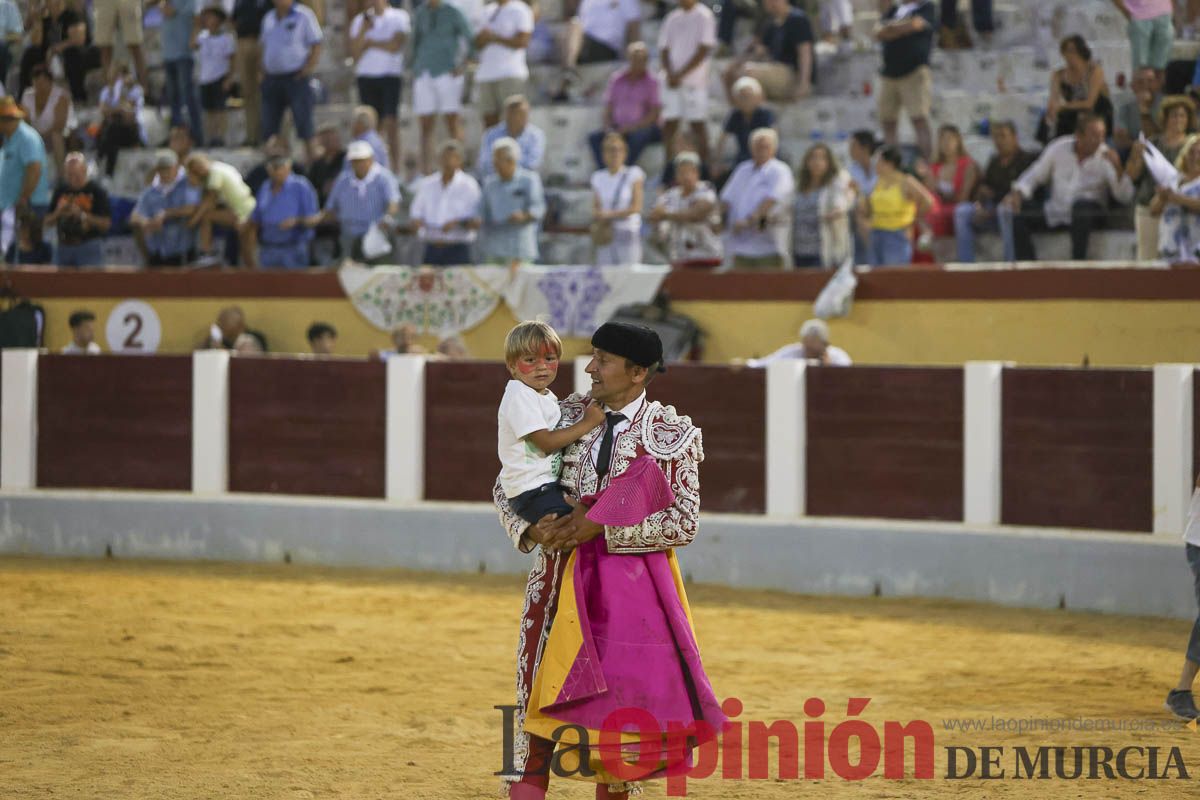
(639, 431)
(365, 195)
(284, 202)
(159, 220)
(23, 179)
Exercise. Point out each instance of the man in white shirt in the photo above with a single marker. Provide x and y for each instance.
(1082, 171)
(377, 40)
(598, 33)
(446, 210)
(83, 335)
(756, 200)
(813, 346)
(685, 41)
(504, 28)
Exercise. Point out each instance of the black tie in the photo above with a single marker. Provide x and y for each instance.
(605, 457)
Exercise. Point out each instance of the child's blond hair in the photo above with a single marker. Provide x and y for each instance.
(530, 337)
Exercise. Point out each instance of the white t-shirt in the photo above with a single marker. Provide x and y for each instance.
(376, 63)
(606, 20)
(497, 62)
(215, 53)
(605, 183)
(73, 349)
(837, 357)
(682, 34)
(522, 465)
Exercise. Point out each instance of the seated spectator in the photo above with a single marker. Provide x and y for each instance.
(59, 38)
(159, 220)
(951, 179)
(226, 201)
(180, 141)
(757, 204)
(687, 38)
(49, 110)
(377, 43)
(445, 210)
(1081, 171)
(688, 217)
(363, 129)
(501, 38)
(813, 347)
(24, 179)
(748, 115)
(283, 206)
(1002, 169)
(291, 49)
(121, 100)
(516, 125)
(329, 163)
(1151, 32)
(215, 49)
(684, 143)
(598, 33)
(29, 245)
(229, 328)
(1179, 208)
(906, 81)
(452, 348)
(954, 35)
(1137, 115)
(83, 335)
(249, 344)
(442, 40)
(80, 209)
(1075, 89)
(367, 195)
(891, 209)
(276, 147)
(781, 58)
(512, 208)
(322, 338)
(617, 192)
(1177, 118)
(821, 216)
(404, 343)
(631, 107)
(12, 30)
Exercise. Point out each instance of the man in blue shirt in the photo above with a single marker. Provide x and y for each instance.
(516, 125)
(285, 202)
(361, 197)
(176, 43)
(23, 164)
(159, 220)
(291, 47)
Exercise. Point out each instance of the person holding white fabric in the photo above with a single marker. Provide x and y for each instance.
(757, 199)
(617, 193)
(1178, 208)
(446, 210)
(813, 346)
(365, 196)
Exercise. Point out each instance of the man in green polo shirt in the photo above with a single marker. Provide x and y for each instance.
(439, 60)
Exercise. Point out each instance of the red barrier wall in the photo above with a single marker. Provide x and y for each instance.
(115, 422)
(1077, 449)
(307, 427)
(885, 442)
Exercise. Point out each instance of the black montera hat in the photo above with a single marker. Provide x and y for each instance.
(638, 343)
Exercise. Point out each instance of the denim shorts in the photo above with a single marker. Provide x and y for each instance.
(546, 499)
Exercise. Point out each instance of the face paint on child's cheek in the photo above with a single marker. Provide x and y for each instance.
(526, 369)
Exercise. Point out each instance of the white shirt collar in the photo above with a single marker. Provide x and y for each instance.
(630, 411)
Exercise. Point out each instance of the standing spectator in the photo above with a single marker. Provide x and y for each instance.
(512, 208)
(1137, 114)
(757, 203)
(1002, 170)
(322, 338)
(687, 217)
(29, 245)
(1081, 171)
(781, 57)
(159, 220)
(748, 115)
(446, 210)
(80, 210)
(1177, 119)
(49, 110)
(179, 18)
(366, 195)
(83, 335)
(284, 204)
(951, 179)
(107, 15)
(291, 48)
(516, 125)
(862, 175)
(1077, 88)
(617, 196)
(363, 127)
(821, 216)
(441, 43)
(226, 201)
(216, 48)
(377, 39)
(599, 33)
(685, 42)
(1151, 32)
(24, 181)
(59, 39)
(330, 161)
(838, 16)
(631, 107)
(907, 82)
(891, 210)
(121, 101)
(501, 39)
(12, 30)
(1179, 208)
(247, 24)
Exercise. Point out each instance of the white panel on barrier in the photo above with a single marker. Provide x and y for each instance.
(982, 439)
(210, 422)
(19, 420)
(1173, 468)
(405, 460)
(787, 438)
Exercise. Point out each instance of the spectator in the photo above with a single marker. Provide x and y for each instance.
(224, 333)
(216, 48)
(512, 207)
(684, 142)
(1177, 118)
(685, 42)
(226, 201)
(599, 33)
(687, 217)
(404, 342)
(781, 57)
(501, 40)
(838, 16)
(906, 83)
(617, 192)
(80, 209)
(248, 344)
(1179, 208)
(377, 39)
(179, 17)
(180, 142)
(247, 24)
(821, 217)
(1078, 88)
(757, 204)
(59, 39)
(954, 31)
(813, 346)
(891, 209)
(48, 109)
(951, 179)
(24, 181)
(862, 175)
(107, 15)
(748, 115)
(363, 129)
(364, 196)
(159, 220)
(83, 335)
(322, 338)
(276, 146)
(291, 48)
(516, 125)
(1137, 114)
(1081, 171)
(29, 245)
(12, 30)
(1002, 169)
(445, 210)
(1151, 32)
(283, 206)
(330, 161)
(631, 107)
(452, 348)
(121, 101)
(441, 43)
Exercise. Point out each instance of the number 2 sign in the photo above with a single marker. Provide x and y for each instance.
(133, 327)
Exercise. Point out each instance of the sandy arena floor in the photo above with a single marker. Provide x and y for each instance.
(147, 680)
